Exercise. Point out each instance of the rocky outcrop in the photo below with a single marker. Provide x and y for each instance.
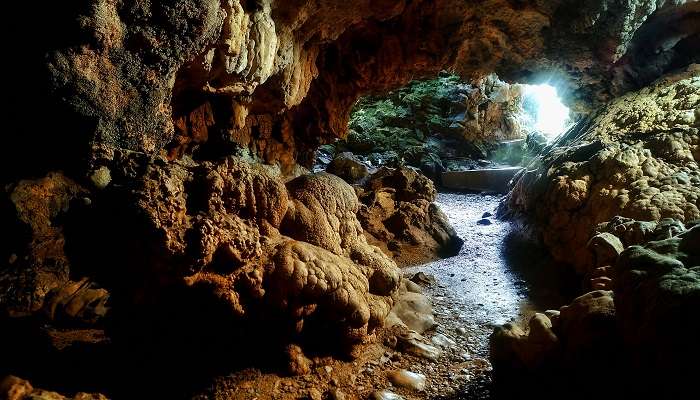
(233, 235)
(14, 388)
(278, 78)
(38, 275)
(399, 215)
(494, 111)
(642, 323)
(439, 125)
(637, 157)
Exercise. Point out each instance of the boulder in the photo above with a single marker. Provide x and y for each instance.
(397, 210)
(348, 167)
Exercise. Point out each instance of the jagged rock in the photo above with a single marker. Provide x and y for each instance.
(14, 388)
(35, 247)
(494, 111)
(397, 207)
(279, 78)
(581, 332)
(627, 333)
(348, 167)
(635, 158)
(78, 301)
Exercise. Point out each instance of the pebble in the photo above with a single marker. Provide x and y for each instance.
(413, 346)
(443, 341)
(314, 394)
(385, 395)
(336, 394)
(486, 215)
(407, 379)
(484, 221)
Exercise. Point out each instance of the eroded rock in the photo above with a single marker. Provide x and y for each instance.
(398, 210)
(635, 158)
(14, 388)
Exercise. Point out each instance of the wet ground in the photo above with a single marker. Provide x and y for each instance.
(498, 276)
(490, 282)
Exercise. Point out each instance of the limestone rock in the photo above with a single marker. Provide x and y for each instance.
(413, 311)
(412, 343)
(397, 207)
(635, 158)
(657, 287)
(36, 242)
(233, 234)
(407, 379)
(384, 395)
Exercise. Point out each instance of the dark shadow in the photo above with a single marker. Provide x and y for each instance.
(548, 284)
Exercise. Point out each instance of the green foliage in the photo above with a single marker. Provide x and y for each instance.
(406, 117)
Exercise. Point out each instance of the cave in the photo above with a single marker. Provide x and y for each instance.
(394, 199)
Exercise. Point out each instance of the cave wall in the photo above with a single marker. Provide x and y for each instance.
(637, 158)
(278, 78)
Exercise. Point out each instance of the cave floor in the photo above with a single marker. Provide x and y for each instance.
(497, 277)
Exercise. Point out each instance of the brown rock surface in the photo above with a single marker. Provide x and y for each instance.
(637, 158)
(262, 252)
(278, 78)
(14, 388)
(399, 215)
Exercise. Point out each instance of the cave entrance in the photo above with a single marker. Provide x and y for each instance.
(463, 135)
(546, 110)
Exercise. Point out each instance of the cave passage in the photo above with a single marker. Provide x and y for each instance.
(496, 278)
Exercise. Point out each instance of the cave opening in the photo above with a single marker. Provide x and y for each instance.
(464, 135)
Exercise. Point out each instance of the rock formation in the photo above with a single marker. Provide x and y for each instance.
(13, 388)
(399, 215)
(279, 78)
(643, 322)
(636, 157)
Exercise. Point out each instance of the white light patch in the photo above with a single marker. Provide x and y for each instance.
(552, 115)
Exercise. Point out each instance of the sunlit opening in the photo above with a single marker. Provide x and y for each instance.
(550, 114)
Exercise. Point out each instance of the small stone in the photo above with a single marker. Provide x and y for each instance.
(486, 215)
(13, 258)
(461, 331)
(336, 394)
(422, 278)
(484, 221)
(443, 341)
(328, 369)
(410, 343)
(101, 177)
(314, 394)
(298, 363)
(385, 395)
(407, 379)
